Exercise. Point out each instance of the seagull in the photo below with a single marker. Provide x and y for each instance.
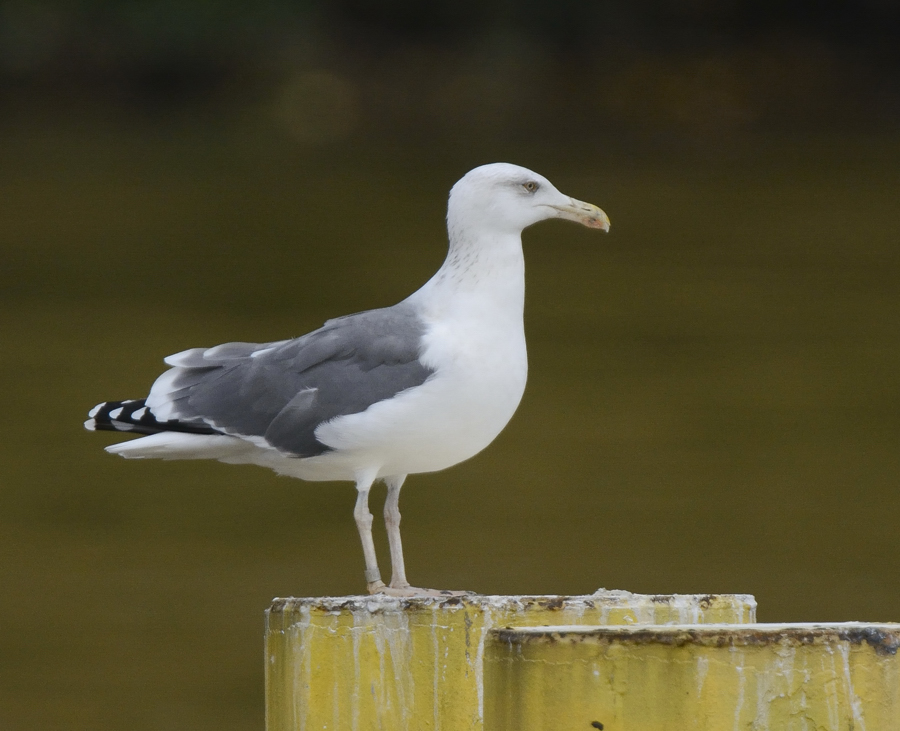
(378, 395)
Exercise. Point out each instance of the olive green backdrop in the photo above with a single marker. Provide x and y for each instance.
(713, 400)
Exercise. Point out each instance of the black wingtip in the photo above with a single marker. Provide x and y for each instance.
(133, 417)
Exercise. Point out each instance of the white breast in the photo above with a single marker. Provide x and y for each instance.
(475, 343)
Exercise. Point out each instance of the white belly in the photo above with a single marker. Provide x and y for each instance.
(477, 386)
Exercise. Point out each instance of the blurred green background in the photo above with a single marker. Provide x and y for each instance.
(713, 403)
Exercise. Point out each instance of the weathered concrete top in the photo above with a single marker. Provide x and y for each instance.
(883, 638)
(600, 608)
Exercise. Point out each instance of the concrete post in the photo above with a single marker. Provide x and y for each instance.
(361, 663)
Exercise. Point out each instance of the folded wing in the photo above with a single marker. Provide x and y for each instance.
(276, 394)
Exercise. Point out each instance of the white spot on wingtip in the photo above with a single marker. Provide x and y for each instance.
(115, 413)
(90, 425)
(96, 410)
(139, 414)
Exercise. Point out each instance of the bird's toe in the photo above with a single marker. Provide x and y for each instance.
(415, 591)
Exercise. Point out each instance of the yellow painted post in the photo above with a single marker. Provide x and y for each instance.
(361, 663)
(764, 677)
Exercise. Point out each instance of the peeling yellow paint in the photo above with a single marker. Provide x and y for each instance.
(367, 663)
(763, 677)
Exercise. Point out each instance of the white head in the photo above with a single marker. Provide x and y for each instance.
(503, 198)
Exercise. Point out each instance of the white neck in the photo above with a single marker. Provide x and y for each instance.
(483, 277)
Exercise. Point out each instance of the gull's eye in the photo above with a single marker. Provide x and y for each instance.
(530, 186)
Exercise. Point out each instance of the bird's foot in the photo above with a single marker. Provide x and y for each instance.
(412, 591)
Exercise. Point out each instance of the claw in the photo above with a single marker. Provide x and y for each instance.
(410, 591)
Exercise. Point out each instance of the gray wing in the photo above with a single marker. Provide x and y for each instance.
(283, 391)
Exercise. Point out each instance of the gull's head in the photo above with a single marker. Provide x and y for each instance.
(506, 198)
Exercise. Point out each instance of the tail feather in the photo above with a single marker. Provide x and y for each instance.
(133, 415)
